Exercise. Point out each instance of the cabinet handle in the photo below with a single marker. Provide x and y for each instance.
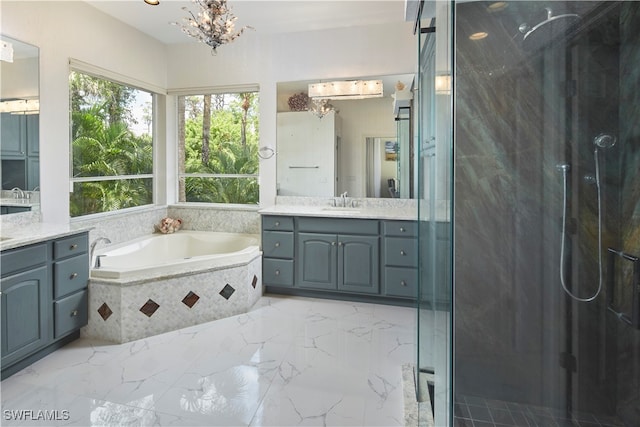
(403, 283)
(277, 244)
(74, 313)
(403, 253)
(73, 247)
(277, 272)
(73, 276)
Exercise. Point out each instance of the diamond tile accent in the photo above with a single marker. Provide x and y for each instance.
(254, 282)
(105, 311)
(191, 299)
(149, 308)
(227, 291)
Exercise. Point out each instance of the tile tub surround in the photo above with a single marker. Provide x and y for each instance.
(122, 312)
(288, 361)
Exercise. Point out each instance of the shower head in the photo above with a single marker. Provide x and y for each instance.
(548, 30)
(604, 140)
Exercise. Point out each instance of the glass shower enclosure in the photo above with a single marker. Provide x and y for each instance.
(529, 190)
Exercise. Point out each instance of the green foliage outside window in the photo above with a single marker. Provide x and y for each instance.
(220, 157)
(105, 143)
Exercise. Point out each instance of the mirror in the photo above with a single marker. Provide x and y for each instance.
(19, 126)
(359, 147)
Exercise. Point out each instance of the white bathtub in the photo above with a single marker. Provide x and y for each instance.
(164, 282)
(166, 254)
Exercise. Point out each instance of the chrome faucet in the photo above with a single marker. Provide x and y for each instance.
(17, 193)
(343, 196)
(93, 247)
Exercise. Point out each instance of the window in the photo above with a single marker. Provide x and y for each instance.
(111, 145)
(218, 137)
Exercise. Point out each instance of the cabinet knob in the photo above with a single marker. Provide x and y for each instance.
(403, 253)
(403, 283)
(333, 243)
(340, 244)
(73, 276)
(277, 223)
(74, 313)
(277, 245)
(277, 272)
(402, 229)
(73, 247)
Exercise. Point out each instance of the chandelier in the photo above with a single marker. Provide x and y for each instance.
(320, 107)
(213, 25)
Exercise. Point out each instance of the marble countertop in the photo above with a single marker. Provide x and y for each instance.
(394, 213)
(10, 201)
(17, 235)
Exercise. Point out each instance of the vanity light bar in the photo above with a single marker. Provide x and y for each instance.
(346, 89)
(20, 106)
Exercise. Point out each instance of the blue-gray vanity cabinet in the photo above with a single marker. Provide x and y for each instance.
(400, 255)
(71, 276)
(345, 260)
(277, 251)
(44, 299)
(26, 302)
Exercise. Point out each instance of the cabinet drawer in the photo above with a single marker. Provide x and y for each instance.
(70, 313)
(277, 272)
(401, 282)
(70, 246)
(284, 223)
(277, 244)
(400, 228)
(338, 226)
(400, 252)
(19, 259)
(70, 275)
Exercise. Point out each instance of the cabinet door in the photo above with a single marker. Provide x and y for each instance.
(33, 134)
(358, 261)
(316, 261)
(12, 135)
(25, 314)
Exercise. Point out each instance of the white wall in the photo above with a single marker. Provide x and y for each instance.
(73, 29)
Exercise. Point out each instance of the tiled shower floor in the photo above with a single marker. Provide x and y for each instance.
(471, 411)
(289, 361)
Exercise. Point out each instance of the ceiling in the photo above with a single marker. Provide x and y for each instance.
(265, 16)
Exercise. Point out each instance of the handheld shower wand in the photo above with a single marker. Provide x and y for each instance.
(600, 141)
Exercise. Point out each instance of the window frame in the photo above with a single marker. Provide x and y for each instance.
(113, 77)
(218, 90)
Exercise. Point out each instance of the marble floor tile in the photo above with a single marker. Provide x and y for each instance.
(288, 361)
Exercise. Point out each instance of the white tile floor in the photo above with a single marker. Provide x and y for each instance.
(289, 361)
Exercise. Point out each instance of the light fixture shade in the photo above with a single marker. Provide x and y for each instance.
(346, 89)
(152, 2)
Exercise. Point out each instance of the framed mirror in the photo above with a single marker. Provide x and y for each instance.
(20, 125)
(324, 153)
